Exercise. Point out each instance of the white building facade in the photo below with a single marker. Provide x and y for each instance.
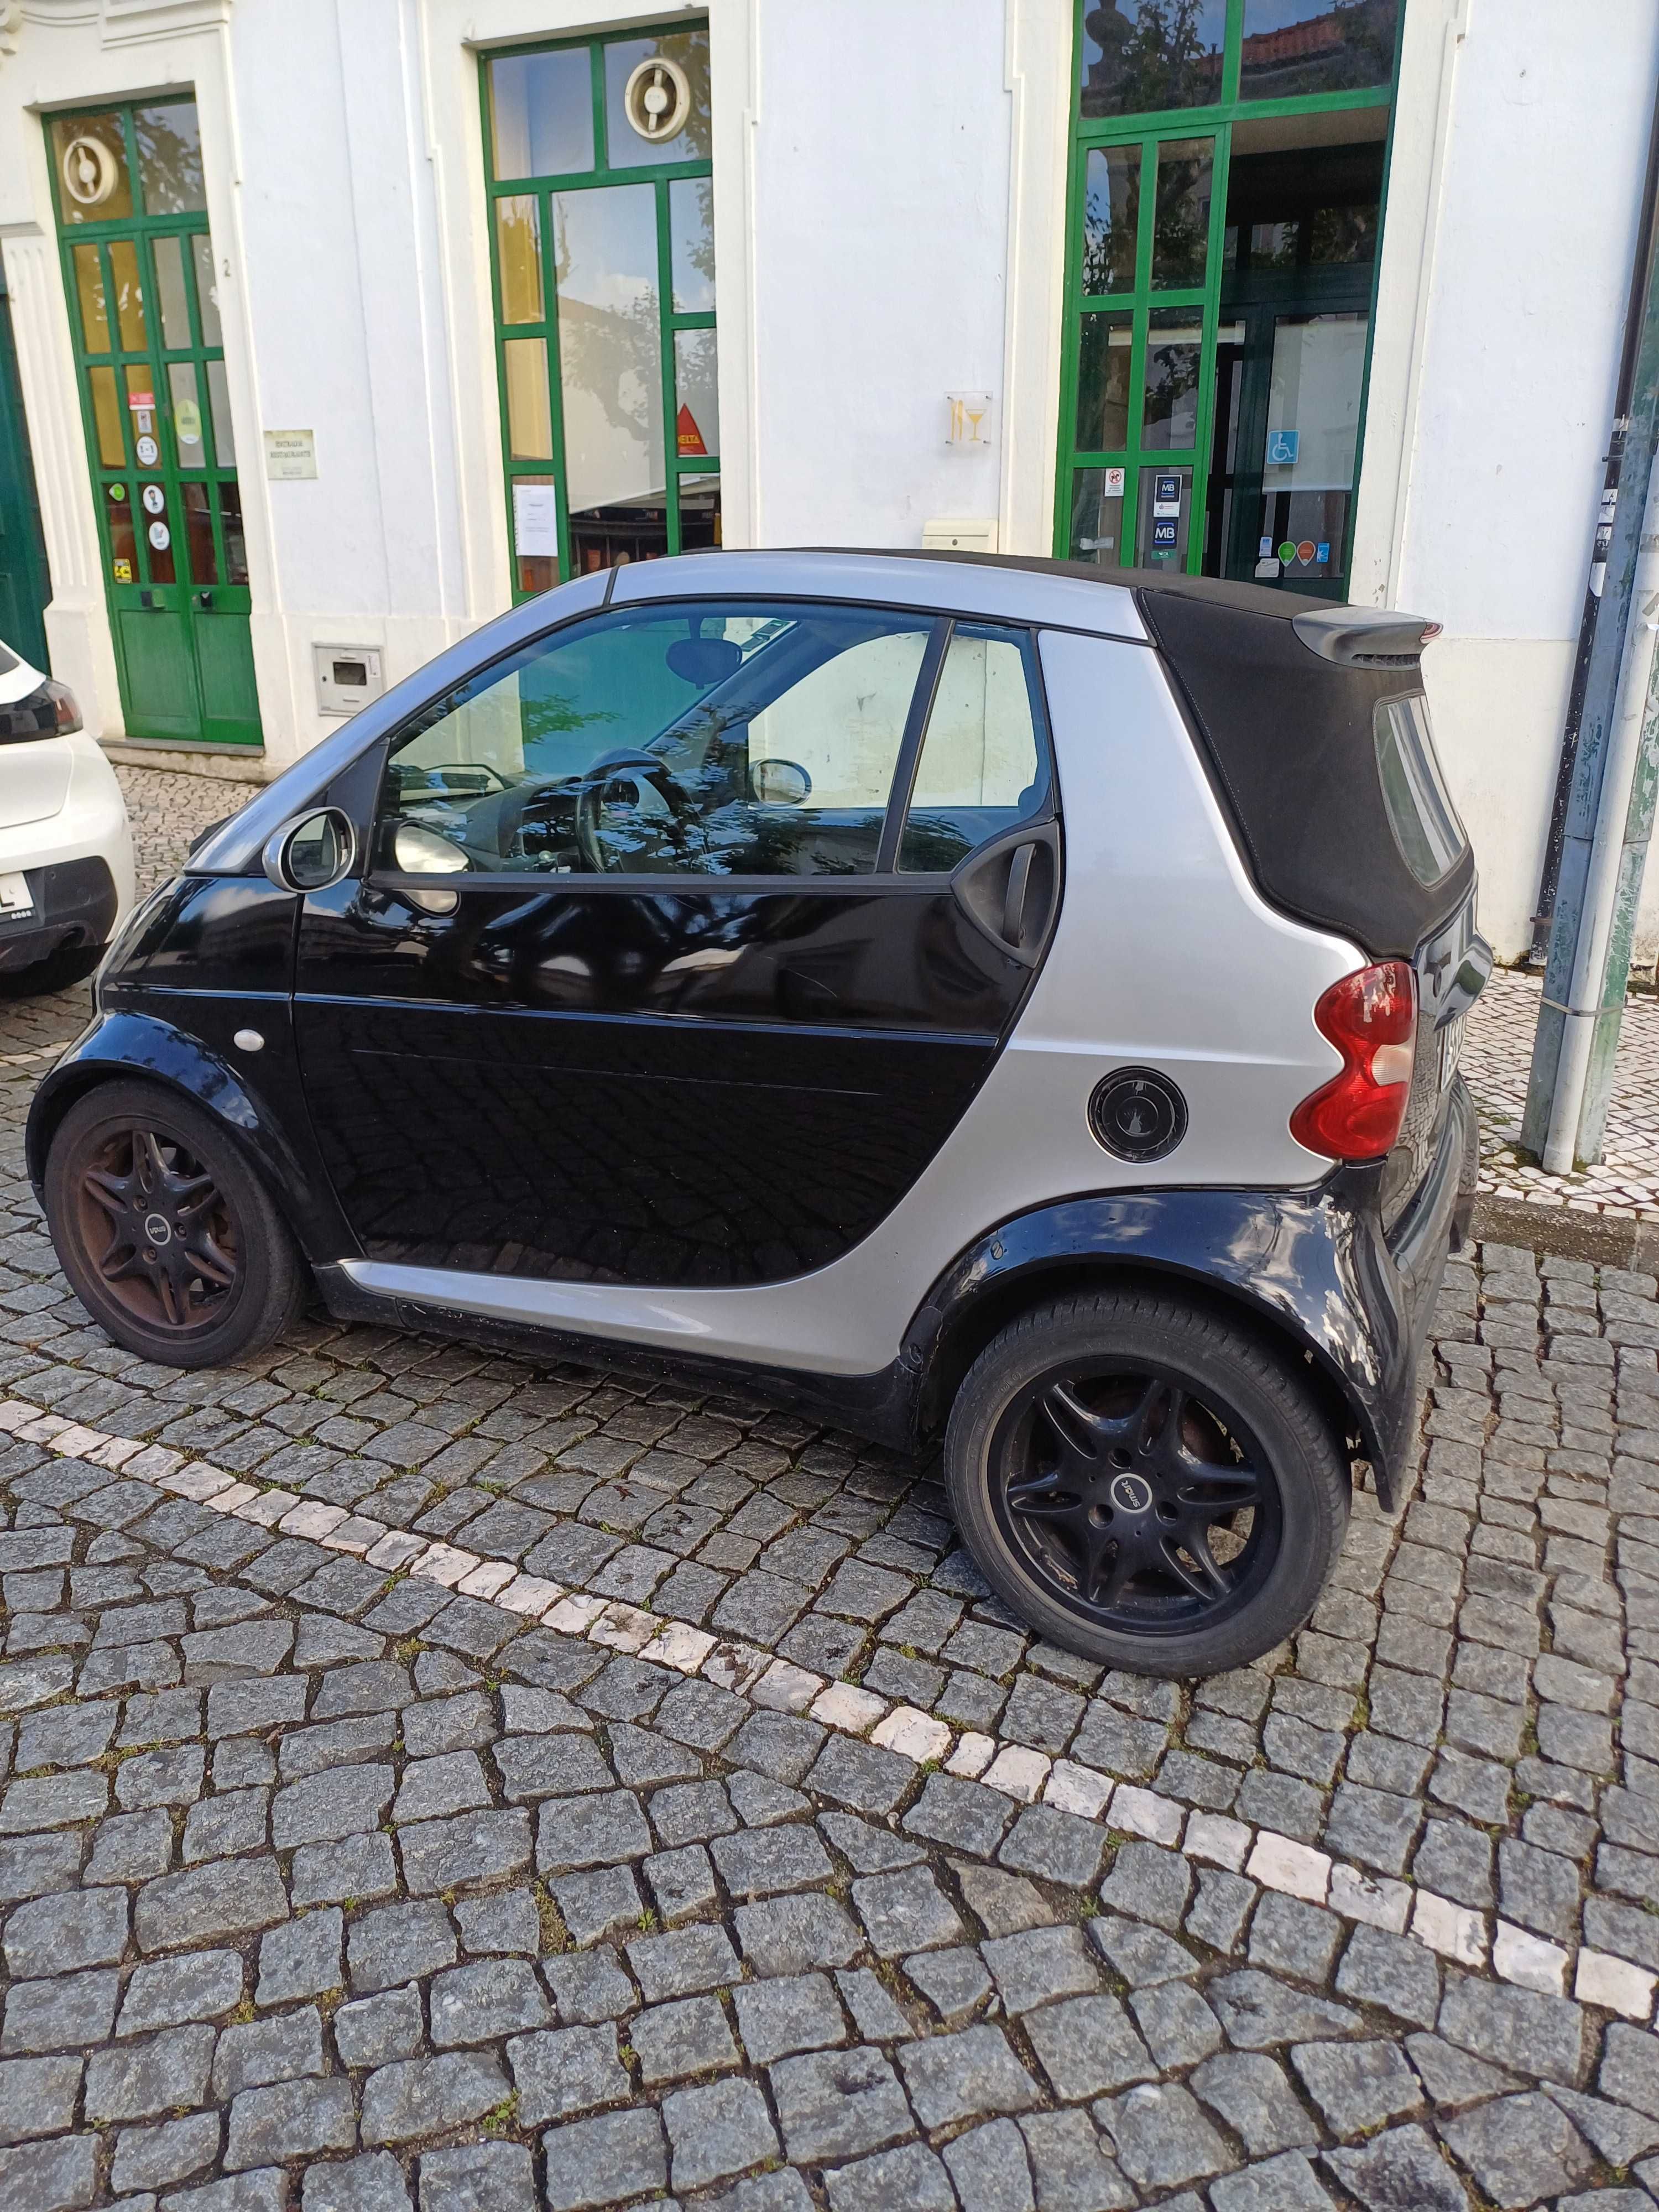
(340, 324)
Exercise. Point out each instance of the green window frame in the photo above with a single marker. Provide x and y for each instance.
(531, 573)
(1133, 307)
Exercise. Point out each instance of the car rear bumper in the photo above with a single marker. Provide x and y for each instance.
(74, 902)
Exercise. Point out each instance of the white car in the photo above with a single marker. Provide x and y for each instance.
(65, 846)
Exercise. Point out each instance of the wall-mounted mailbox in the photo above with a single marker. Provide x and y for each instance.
(348, 677)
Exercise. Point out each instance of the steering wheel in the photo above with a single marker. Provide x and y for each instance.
(630, 765)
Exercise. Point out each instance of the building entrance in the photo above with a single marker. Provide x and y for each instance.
(1221, 270)
(144, 313)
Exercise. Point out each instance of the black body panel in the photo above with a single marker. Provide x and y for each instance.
(690, 1085)
(1289, 740)
(75, 903)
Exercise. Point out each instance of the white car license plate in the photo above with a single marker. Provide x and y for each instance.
(1451, 1044)
(14, 898)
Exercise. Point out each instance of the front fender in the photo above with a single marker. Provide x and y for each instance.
(1312, 1267)
(132, 1042)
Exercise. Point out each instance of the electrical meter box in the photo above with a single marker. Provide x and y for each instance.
(348, 677)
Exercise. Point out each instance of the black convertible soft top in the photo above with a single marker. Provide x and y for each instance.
(1280, 692)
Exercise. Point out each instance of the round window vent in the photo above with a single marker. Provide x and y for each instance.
(89, 171)
(1137, 1114)
(657, 99)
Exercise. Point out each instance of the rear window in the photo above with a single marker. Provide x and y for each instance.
(8, 661)
(1420, 810)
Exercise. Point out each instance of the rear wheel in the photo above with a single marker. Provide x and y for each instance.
(168, 1237)
(1146, 1484)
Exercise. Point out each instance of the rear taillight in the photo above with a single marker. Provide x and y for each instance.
(65, 713)
(1371, 1016)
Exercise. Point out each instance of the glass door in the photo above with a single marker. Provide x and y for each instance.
(143, 310)
(602, 245)
(1145, 378)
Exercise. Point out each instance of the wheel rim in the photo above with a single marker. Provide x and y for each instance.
(160, 1235)
(1141, 1503)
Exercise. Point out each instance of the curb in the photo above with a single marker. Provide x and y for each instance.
(1605, 1240)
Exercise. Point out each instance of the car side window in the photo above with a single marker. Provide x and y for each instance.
(718, 739)
(983, 767)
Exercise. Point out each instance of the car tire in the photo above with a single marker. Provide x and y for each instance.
(1089, 1459)
(225, 1277)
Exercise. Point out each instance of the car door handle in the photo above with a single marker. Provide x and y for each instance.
(1010, 889)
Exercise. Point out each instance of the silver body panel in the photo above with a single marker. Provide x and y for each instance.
(1164, 955)
(953, 587)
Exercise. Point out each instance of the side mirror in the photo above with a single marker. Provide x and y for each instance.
(311, 852)
(418, 852)
(779, 782)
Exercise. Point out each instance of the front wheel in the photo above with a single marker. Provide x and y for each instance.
(168, 1237)
(1146, 1484)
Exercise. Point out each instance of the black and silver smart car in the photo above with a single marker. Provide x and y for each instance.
(975, 1002)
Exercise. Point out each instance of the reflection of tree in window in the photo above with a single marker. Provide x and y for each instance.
(593, 339)
(1181, 226)
(1110, 207)
(1171, 388)
(1152, 54)
(169, 158)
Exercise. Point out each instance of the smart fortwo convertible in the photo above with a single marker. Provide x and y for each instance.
(983, 1004)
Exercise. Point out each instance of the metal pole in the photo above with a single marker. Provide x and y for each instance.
(1597, 996)
(1576, 977)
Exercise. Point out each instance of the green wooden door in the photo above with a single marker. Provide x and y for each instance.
(144, 307)
(24, 586)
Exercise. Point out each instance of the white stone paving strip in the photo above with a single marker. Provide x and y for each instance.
(1278, 1863)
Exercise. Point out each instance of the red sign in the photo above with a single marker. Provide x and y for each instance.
(690, 438)
(139, 401)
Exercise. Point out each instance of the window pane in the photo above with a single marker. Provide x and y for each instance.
(541, 113)
(1311, 439)
(157, 525)
(1164, 510)
(697, 421)
(981, 768)
(89, 290)
(686, 53)
(1170, 411)
(519, 251)
(170, 288)
(1103, 383)
(1098, 516)
(207, 289)
(1111, 209)
(230, 517)
(198, 532)
(187, 414)
(1181, 225)
(1343, 235)
(700, 512)
(1141, 55)
(89, 159)
(610, 351)
(691, 225)
(129, 296)
(1413, 789)
(529, 406)
(118, 515)
(107, 413)
(1315, 46)
(169, 158)
(729, 740)
(535, 532)
(224, 437)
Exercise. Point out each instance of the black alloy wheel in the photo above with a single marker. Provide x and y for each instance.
(1144, 1505)
(1147, 1482)
(167, 1238)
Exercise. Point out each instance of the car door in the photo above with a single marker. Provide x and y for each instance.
(682, 941)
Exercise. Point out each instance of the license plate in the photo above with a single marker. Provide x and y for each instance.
(15, 900)
(1451, 1044)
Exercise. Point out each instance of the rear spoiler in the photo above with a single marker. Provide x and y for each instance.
(1365, 637)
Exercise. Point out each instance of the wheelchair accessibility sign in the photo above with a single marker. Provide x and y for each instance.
(1282, 445)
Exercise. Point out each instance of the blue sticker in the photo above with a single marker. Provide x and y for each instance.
(1166, 486)
(1264, 550)
(1282, 448)
(1324, 552)
(1163, 533)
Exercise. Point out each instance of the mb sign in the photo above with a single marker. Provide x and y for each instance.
(1282, 447)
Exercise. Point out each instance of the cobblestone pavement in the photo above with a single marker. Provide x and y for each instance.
(432, 1778)
(1497, 1055)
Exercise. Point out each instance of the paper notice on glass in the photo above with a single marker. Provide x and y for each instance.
(536, 519)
